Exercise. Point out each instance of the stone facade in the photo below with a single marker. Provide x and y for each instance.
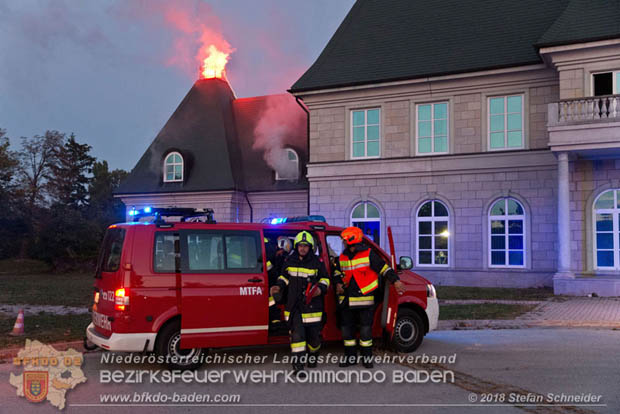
(468, 194)
(470, 177)
(588, 179)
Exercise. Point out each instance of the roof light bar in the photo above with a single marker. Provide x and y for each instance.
(183, 212)
(297, 219)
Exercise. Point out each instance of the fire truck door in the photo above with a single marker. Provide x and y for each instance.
(224, 289)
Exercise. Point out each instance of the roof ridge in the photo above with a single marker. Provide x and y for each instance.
(320, 60)
(385, 40)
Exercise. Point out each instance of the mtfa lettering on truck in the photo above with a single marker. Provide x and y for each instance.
(250, 290)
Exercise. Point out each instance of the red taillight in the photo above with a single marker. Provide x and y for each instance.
(121, 299)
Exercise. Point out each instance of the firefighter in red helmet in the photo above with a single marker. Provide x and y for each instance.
(306, 280)
(357, 279)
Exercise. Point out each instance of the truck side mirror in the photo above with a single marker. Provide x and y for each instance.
(405, 262)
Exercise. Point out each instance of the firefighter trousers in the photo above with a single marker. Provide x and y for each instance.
(349, 317)
(303, 336)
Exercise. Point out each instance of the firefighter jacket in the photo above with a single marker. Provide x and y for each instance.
(359, 271)
(300, 276)
(274, 265)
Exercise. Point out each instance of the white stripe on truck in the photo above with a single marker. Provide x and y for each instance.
(224, 329)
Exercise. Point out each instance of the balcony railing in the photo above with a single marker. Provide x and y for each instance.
(579, 110)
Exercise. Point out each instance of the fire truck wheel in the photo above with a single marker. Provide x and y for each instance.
(408, 331)
(169, 345)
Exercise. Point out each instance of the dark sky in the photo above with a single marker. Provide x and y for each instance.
(113, 71)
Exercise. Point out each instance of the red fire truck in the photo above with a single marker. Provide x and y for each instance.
(179, 287)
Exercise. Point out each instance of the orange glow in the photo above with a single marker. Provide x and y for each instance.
(214, 64)
(121, 299)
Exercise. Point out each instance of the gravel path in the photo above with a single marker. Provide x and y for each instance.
(12, 310)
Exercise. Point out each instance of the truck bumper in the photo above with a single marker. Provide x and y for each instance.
(432, 313)
(134, 342)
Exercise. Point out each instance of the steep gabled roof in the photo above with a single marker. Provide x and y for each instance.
(390, 40)
(214, 132)
(200, 130)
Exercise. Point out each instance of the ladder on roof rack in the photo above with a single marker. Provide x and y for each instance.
(184, 212)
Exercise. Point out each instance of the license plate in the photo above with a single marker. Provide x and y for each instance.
(101, 321)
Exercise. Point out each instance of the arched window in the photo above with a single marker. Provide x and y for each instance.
(432, 223)
(606, 230)
(507, 234)
(173, 167)
(367, 217)
(290, 169)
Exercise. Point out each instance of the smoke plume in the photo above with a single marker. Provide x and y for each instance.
(282, 125)
(192, 25)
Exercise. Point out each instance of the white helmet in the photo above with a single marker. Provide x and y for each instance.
(285, 244)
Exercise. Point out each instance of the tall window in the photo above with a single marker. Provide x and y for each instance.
(366, 216)
(433, 234)
(606, 230)
(506, 122)
(366, 130)
(173, 167)
(290, 169)
(507, 234)
(432, 128)
(606, 83)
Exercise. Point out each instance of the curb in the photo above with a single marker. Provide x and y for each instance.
(457, 325)
(486, 301)
(473, 324)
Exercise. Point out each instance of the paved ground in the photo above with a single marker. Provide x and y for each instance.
(558, 312)
(579, 311)
(488, 363)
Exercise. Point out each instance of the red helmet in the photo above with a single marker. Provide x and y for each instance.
(352, 235)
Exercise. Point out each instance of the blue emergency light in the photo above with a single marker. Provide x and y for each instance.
(134, 212)
(298, 219)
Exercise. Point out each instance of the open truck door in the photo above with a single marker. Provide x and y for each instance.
(224, 289)
(390, 298)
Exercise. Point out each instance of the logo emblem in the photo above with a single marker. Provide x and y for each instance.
(36, 385)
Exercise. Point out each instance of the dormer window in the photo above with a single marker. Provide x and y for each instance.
(289, 170)
(173, 167)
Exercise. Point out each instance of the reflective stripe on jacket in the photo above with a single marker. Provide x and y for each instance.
(299, 276)
(359, 269)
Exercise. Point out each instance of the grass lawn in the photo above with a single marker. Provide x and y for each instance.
(483, 311)
(464, 293)
(71, 289)
(44, 327)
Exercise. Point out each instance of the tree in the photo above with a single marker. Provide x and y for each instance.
(11, 223)
(35, 160)
(8, 163)
(103, 205)
(68, 173)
